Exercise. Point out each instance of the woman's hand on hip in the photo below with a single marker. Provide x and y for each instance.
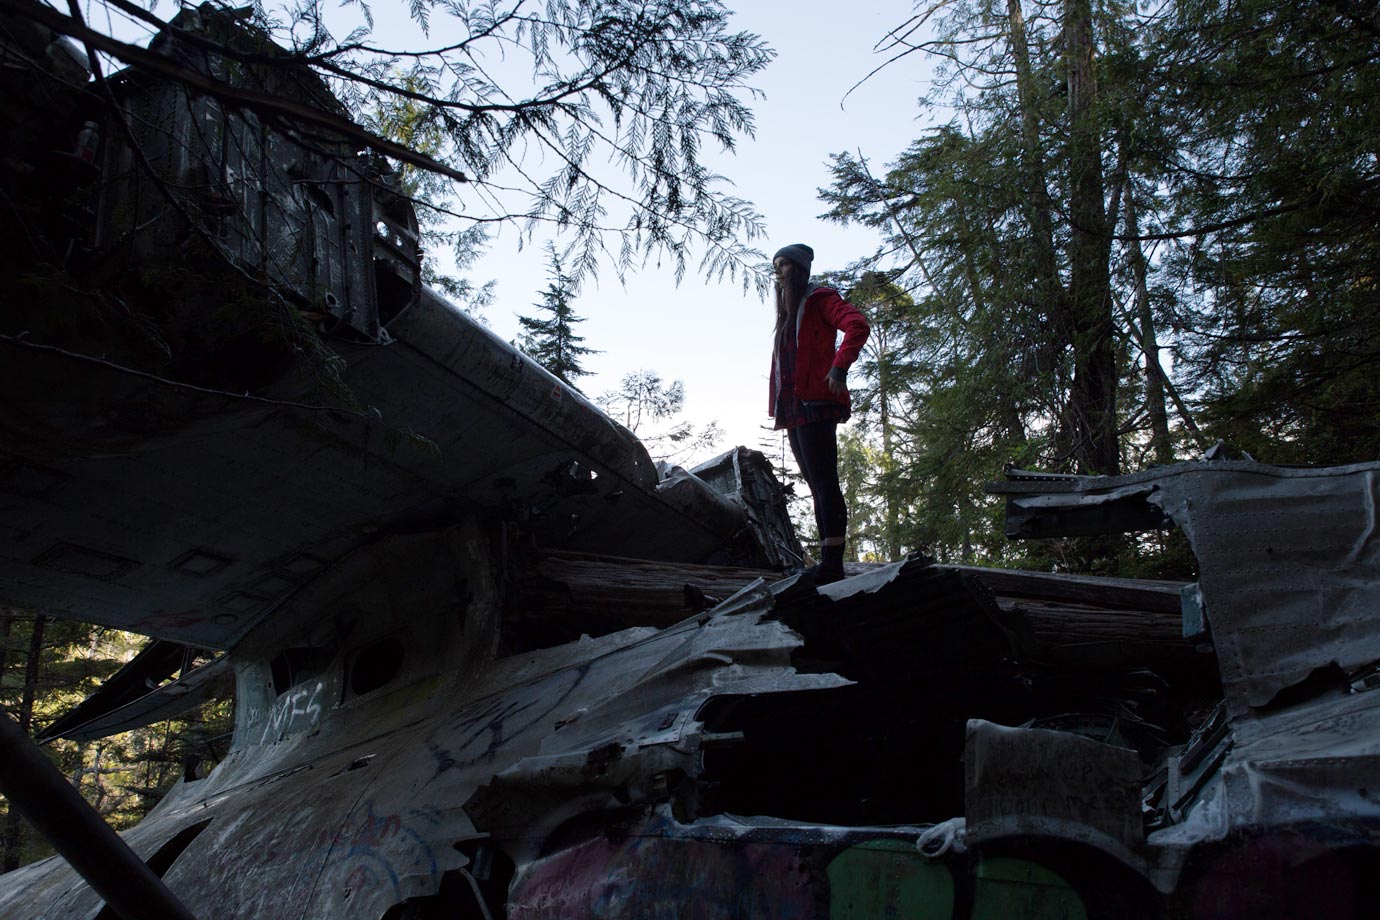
(835, 380)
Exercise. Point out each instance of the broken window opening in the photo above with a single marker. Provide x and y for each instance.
(376, 665)
(321, 197)
(847, 756)
(394, 289)
(292, 666)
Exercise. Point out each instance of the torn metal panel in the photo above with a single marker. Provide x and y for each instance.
(1288, 594)
(1037, 783)
(376, 779)
(1290, 560)
(1290, 569)
(1300, 778)
(1313, 762)
(869, 582)
(926, 649)
(136, 695)
(616, 748)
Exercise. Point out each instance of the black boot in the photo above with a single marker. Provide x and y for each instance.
(830, 568)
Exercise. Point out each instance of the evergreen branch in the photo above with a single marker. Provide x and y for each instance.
(263, 103)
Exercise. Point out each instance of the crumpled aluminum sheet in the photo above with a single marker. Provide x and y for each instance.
(1316, 765)
(869, 582)
(1041, 783)
(1318, 761)
(362, 806)
(617, 742)
(1290, 562)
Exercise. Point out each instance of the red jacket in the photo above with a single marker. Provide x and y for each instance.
(823, 314)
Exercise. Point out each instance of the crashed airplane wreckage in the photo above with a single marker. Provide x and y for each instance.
(901, 743)
(525, 674)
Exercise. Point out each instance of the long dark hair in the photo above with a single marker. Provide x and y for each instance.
(789, 291)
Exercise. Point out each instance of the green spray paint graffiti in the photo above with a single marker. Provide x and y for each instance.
(888, 878)
(1017, 889)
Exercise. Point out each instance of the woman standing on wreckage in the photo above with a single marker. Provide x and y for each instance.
(809, 397)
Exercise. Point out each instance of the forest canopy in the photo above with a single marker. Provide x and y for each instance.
(1135, 230)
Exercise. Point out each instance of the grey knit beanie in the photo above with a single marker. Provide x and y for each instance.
(798, 253)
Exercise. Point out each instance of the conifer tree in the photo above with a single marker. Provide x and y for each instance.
(549, 337)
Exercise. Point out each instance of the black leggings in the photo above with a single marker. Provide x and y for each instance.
(816, 450)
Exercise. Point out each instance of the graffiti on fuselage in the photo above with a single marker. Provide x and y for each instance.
(476, 734)
(652, 877)
(297, 707)
(662, 870)
(373, 848)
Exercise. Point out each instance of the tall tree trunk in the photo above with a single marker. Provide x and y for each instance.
(1012, 423)
(6, 619)
(1160, 444)
(890, 514)
(966, 515)
(1039, 209)
(1090, 303)
(99, 802)
(26, 704)
(14, 824)
(976, 295)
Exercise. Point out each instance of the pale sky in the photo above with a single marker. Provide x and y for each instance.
(712, 336)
